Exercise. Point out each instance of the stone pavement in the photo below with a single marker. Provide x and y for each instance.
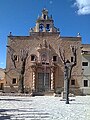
(43, 108)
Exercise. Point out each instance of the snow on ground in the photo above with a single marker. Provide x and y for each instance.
(44, 108)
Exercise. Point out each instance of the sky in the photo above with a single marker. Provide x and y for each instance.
(18, 16)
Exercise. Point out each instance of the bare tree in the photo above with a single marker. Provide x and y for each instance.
(11, 52)
(23, 57)
(68, 65)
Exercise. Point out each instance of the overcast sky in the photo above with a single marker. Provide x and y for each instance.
(18, 16)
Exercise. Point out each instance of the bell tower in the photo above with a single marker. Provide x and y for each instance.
(44, 23)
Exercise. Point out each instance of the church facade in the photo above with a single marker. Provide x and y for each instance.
(44, 69)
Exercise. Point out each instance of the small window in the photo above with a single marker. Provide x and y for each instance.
(84, 63)
(85, 83)
(14, 81)
(71, 59)
(43, 63)
(72, 82)
(54, 58)
(32, 57)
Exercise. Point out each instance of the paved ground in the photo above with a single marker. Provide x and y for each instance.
(44, 108)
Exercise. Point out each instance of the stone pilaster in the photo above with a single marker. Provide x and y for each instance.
(33, 78)
(52, 78)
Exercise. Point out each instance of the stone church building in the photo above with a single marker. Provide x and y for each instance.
(44, 70)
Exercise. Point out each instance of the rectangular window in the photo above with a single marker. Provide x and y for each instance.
(14, 81)
(54, 58)
(32, 57)
(71, 59)
(85, 83)
(72, 82)
(84, 63)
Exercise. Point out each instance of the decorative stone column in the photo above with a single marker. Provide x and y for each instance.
(33, 78)
(52, 78)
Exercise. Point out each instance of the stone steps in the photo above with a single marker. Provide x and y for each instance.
(26, 114)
